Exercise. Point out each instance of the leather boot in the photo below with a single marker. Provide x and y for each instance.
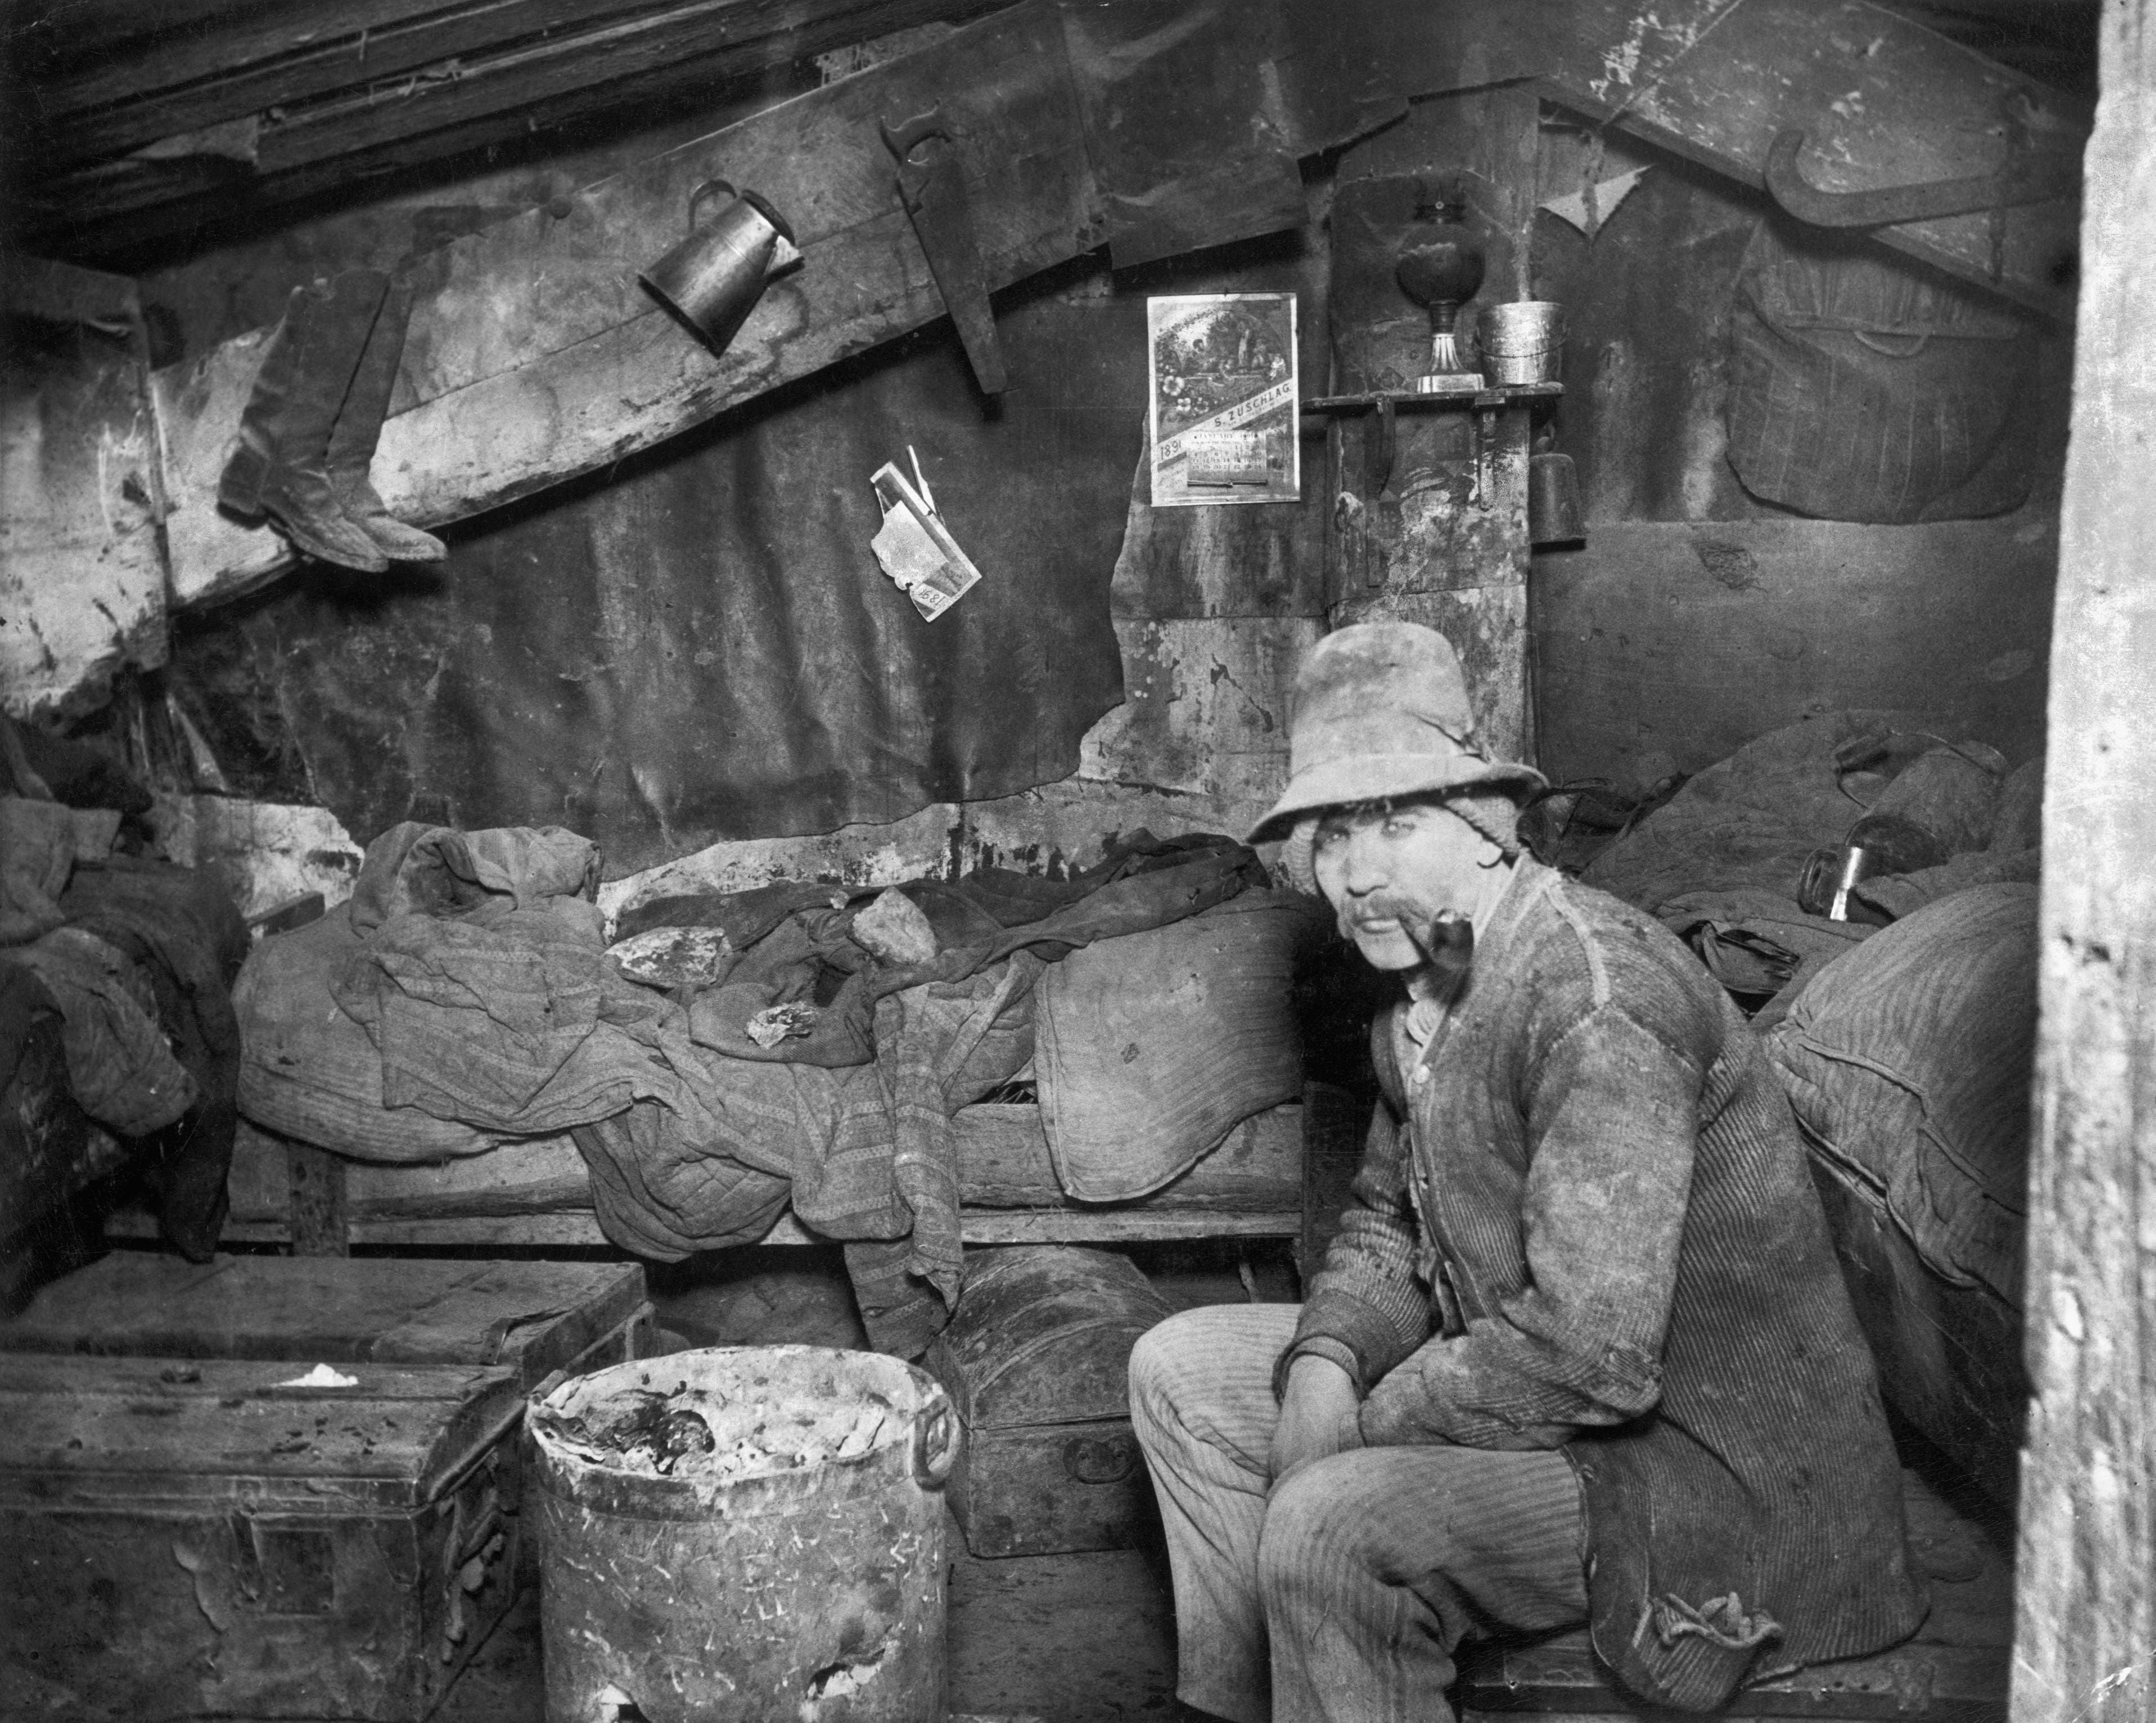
(359, 428)
(280, 466)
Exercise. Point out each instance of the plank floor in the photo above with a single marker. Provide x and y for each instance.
(1076, 1639)
(1090, 1637)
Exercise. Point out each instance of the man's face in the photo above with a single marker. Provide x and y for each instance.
(1382, 868)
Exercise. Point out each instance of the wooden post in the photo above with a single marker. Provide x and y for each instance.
(1439, 534)
(2087, 1580)
(321, 1213)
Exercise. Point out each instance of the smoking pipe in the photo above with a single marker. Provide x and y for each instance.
(1447, 945)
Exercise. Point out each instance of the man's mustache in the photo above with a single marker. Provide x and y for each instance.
(1384, 906)
(1444, 937)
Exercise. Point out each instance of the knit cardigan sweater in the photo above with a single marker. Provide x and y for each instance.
(1583, 1221)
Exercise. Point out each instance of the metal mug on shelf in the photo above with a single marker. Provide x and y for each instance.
(712, 279)
(1523, 341)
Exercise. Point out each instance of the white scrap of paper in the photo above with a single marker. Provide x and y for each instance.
(1609, 194)
(322, 1376)
(914, 547)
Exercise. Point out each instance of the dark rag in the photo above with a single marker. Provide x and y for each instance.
(182, 931)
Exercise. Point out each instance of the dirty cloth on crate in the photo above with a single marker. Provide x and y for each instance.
(122, 1073)
(184, 937)
(1909, 1063)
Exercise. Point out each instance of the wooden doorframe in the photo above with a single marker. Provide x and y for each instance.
(2086, 1633)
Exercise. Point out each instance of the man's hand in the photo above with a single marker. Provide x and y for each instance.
(1319, 1415)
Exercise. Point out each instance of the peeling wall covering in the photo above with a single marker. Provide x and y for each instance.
(82, 580)
(1057, 830)
(1211, 609)
(266, 853)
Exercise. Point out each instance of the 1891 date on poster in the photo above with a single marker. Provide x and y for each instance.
(1223, 399)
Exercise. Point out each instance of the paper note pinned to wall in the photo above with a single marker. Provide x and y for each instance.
(914, 547)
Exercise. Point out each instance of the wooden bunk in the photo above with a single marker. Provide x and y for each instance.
(1253, 1185)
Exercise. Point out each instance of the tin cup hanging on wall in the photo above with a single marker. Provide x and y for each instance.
(712, 279)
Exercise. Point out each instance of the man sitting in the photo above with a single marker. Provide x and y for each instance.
(1580, 1351)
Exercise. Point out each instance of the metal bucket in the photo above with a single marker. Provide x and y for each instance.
(793, 1570)
(1523, 342)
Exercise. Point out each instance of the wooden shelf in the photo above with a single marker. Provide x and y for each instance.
(1045, 1226)
(537, 1194)
(1508, 394)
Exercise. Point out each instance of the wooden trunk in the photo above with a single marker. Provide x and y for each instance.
(200, 1540)
(1036, 1359)
(531, 1317)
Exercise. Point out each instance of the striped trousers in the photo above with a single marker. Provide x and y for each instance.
(1340, 1594)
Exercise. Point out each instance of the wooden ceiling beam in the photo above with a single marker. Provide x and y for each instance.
(162, 90)
(630, 57)
(297, 62)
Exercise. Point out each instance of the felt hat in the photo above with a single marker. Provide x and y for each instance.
(1381, 711)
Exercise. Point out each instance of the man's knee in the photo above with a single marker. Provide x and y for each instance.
(1322, 1526)
(1168, 1365)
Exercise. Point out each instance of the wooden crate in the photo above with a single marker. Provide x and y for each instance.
(1036, 1359)
(200, 1539)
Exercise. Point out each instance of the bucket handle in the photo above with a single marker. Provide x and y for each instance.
(697, 197)
(935, 1442)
